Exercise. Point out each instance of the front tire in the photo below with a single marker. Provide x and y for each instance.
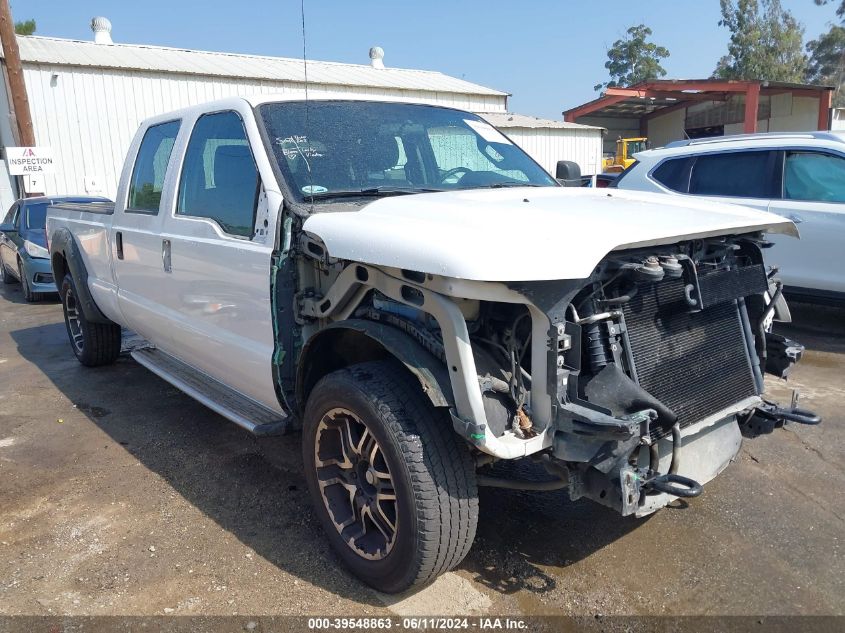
(391, 482)
(94, 344)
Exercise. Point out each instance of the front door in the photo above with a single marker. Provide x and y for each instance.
(813, 198)
(218, 264)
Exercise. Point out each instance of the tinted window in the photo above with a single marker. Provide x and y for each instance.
(738, 174)
(150, 167)
(36, 216)
(219, 178)
(814, 176)
(673, 174)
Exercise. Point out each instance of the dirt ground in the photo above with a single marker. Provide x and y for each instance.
(120, 495)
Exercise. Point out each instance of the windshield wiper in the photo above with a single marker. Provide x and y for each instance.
(373, 192)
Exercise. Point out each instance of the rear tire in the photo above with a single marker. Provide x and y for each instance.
(94, 344)
(391, 482)
(28, 295)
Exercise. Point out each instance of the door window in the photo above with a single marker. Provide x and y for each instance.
(735, 174)
(150, 168)
(219, 177)
(36, 216)
(814, 176)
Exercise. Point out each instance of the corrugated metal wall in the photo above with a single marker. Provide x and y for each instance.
(89, 115)
(549, 145)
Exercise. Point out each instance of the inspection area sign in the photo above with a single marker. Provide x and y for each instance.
(30, 161)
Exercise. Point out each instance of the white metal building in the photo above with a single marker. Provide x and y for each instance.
(548, 141)
(838, 120)
(88, 97)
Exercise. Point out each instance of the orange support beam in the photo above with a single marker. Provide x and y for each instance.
(592, 106)
(706, 85)
(825, 103)
(752, 101)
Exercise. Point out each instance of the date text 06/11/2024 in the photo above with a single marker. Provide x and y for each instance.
(415, 623)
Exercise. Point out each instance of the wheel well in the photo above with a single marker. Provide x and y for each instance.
(59, 265)
(337, 347)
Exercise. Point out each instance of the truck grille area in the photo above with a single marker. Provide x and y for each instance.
(696, 363)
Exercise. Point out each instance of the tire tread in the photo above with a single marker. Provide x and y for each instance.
(101, 341)
(441, 469)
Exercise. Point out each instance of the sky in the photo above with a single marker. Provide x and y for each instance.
(547, 54)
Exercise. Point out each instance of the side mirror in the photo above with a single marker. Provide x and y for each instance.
(568, 173)
(8, 227)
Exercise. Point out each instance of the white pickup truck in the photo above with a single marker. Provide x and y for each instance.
(409, 289)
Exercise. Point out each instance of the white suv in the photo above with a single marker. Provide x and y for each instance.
(800, 176)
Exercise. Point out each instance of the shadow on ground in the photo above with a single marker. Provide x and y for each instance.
(254, 488)
(523, 534)
(13, 294)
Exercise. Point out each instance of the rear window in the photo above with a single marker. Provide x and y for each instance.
(736, 174)
(673, 174)
(36, 216)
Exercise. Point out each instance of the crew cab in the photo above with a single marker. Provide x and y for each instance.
(411, 291)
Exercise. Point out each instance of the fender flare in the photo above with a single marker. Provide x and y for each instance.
(63, 248)
(357, 340)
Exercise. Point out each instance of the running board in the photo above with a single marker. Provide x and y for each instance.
(243, 411)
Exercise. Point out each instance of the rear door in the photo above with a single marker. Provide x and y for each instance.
(739, 177)
(218, 256)
(135, 239)
(813, 196)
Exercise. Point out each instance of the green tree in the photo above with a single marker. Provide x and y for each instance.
(26, 27)
(840, 10)
(633, 59)
(766, 42)
(827, 62)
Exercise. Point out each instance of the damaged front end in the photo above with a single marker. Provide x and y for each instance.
(633, 386)
(658, 366)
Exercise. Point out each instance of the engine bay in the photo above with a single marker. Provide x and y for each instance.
(657, 344)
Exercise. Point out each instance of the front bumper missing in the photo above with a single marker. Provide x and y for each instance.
(706, 449)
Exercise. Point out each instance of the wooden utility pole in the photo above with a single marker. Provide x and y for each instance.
(20, 103)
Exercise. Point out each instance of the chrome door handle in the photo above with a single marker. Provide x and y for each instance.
(165, 255)
(797, 219)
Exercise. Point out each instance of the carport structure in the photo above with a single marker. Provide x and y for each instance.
(746, 106)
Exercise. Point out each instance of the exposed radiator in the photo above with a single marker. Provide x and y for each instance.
(697, 363)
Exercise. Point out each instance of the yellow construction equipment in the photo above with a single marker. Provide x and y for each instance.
(625, 149)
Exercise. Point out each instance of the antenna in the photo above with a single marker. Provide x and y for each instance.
(307, 122)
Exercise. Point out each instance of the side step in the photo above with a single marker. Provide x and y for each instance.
(243, 411)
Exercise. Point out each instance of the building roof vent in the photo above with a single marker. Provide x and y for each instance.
(377, 57)
(102, 30)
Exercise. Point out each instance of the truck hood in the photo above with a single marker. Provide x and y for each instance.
(523, 233)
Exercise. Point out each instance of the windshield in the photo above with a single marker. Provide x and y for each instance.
(635, 147)
(36, 216)
(341, 148)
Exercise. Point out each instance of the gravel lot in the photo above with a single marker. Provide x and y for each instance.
(120, 495)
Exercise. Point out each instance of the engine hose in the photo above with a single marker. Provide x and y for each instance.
(676, 449)
(597, 352)
(653, 458)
